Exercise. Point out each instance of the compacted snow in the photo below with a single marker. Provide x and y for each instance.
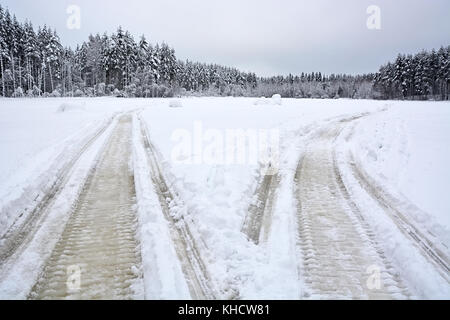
(200, 173)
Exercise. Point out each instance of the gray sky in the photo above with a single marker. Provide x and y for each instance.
(265, 36)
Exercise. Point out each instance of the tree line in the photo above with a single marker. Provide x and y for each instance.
(421, 76)
(34, 63)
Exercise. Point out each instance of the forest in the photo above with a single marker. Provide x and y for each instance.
(34, 63)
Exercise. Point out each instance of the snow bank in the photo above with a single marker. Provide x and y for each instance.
(175, 103)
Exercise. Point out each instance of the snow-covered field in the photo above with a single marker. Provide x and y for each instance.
(407, 147)
(401, 146)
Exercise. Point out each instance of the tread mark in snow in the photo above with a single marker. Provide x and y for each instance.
(366, 227)
(21, 232)
(337, 252)
(99, 237)
(193, 267)
(386, 201)
(259, 213)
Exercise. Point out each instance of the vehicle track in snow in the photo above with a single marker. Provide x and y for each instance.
(23, 229)
(398, 214)
(338, 249)
(99, 237)
(186, 246)
(259, 214)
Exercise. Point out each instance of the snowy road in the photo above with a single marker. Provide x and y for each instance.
(338, 253)
(99, 238)
(23, 227)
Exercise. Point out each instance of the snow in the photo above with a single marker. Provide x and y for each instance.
(401, 148)
(38, 141)
(402, 145)
(261, 101)
(405, 148)
(65, 107)
(217, 196)
(33, 152)
(18, 277)
(276, 99)
(175, 103)
(163, 277)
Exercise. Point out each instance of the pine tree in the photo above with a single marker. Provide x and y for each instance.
(4, 56)
(18, 49)
(10, 43)
(92, 61)
(121, 56)
(31, 52)
(167, 64)
(131, 53)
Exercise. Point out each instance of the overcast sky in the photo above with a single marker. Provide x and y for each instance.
(265, 36)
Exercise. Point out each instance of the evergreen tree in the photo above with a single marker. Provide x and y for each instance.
(4, 55)
(37, 62)
(31, 53)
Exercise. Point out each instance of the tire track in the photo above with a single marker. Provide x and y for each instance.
(259, 214)
(386, 201)
(99, 238)
(367, 230)
(337, 251)
(21, 232)
(194, 269)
